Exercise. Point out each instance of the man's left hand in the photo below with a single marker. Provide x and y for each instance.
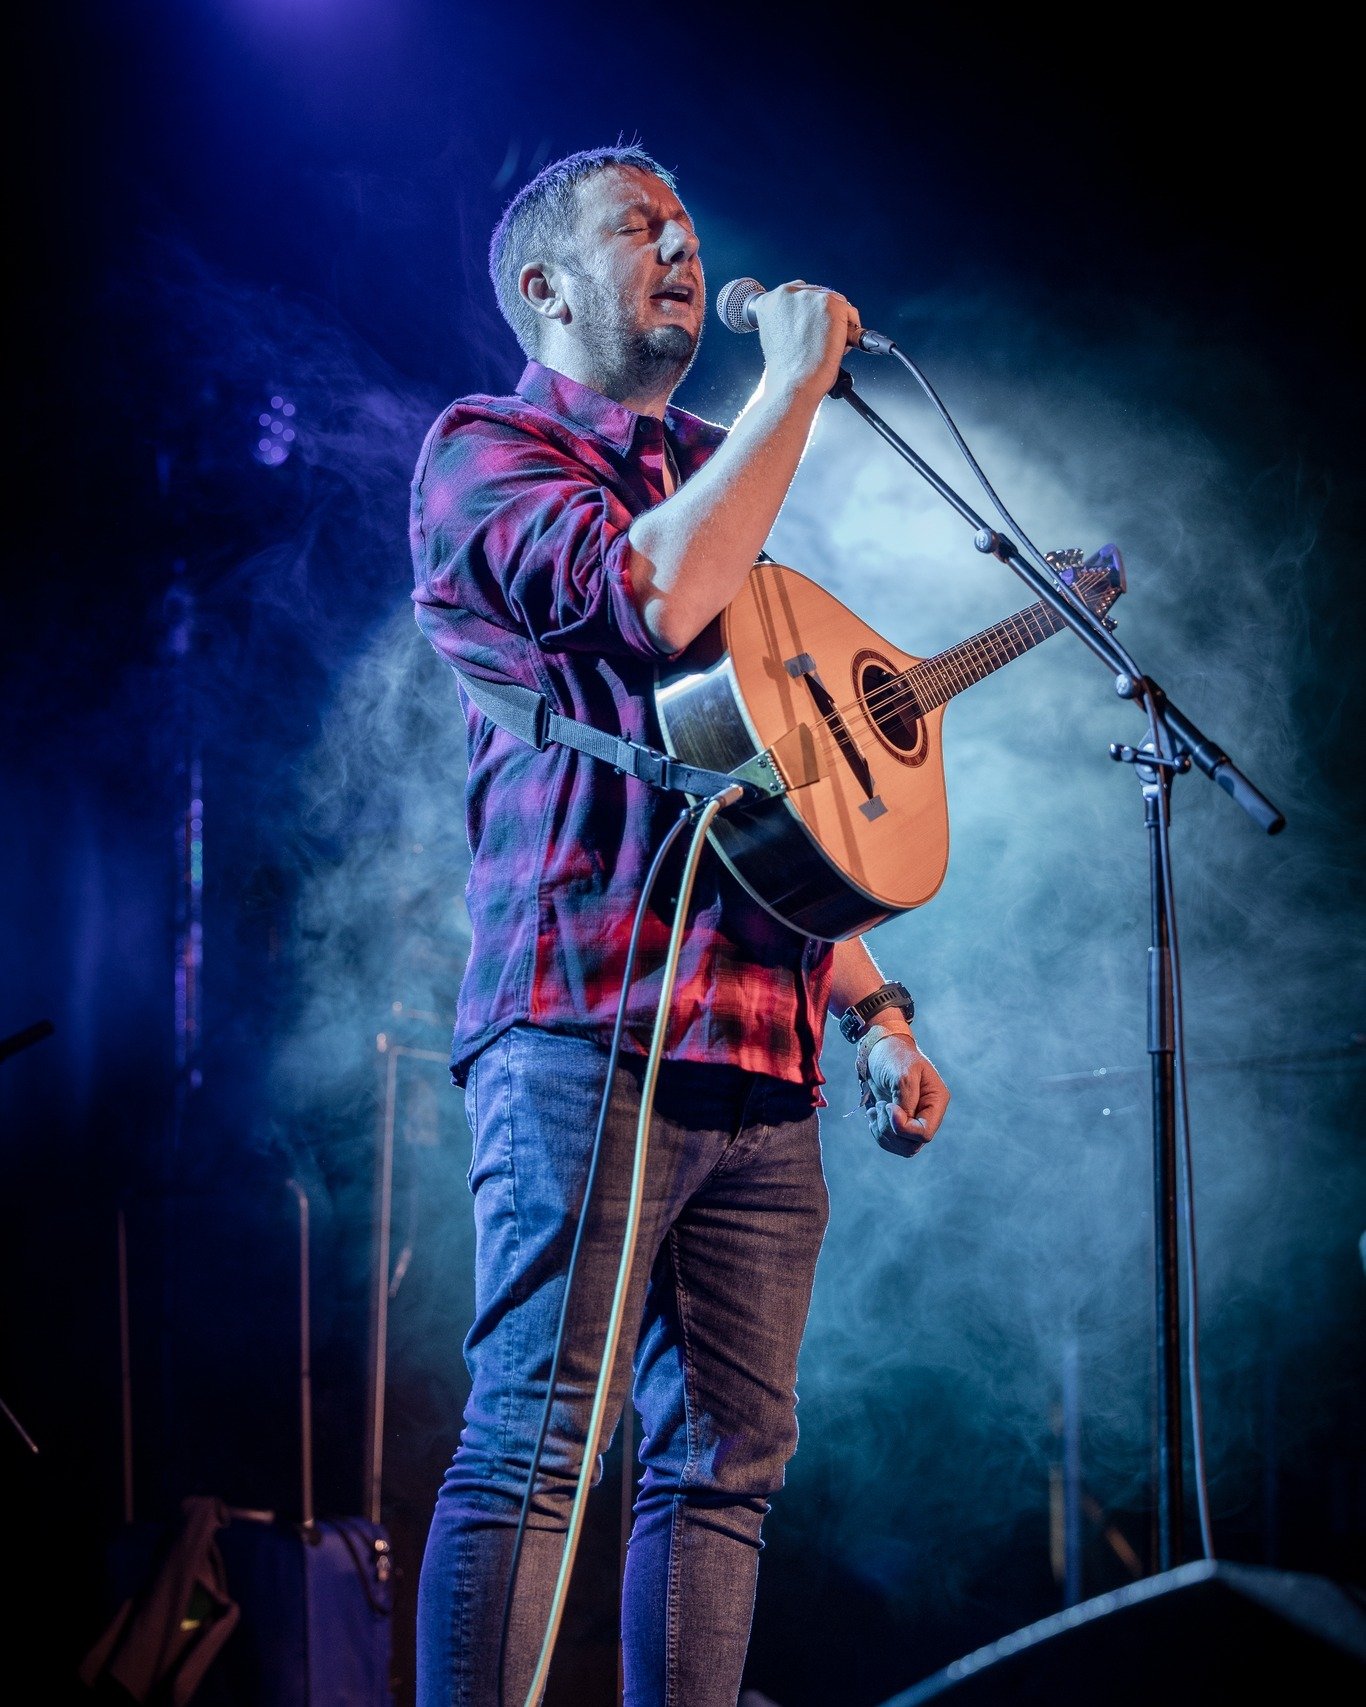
(903, 1094)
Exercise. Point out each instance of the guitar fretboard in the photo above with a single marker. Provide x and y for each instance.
(934, 681)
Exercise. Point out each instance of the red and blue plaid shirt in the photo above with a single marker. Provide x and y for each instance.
(520, 511)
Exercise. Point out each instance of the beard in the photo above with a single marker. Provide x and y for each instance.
(630, 361)
(659, 357)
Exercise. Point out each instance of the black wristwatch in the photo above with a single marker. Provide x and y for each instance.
(855, 1020)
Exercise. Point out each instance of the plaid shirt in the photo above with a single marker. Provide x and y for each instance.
(520, 511)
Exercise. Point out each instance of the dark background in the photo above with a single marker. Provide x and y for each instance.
(241, 200)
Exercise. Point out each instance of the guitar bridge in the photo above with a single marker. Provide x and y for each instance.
(804, 665)
(791, 762)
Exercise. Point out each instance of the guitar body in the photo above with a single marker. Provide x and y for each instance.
(790, 691)
(862, 831)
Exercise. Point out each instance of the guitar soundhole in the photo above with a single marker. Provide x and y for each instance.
(891, 708)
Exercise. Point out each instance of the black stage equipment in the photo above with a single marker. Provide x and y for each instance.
(1198, 1636)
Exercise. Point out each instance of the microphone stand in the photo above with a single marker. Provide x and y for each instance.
(1174, 744)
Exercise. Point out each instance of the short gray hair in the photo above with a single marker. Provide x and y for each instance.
(538, 223)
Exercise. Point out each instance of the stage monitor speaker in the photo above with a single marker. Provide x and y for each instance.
(1198, 1636)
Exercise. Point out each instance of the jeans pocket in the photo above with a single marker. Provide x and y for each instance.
(472, 1117)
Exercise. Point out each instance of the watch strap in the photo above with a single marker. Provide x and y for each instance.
(856, 1018)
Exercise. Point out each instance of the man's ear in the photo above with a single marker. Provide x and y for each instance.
(541, 286)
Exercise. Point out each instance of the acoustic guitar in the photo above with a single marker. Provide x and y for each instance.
(791, 691)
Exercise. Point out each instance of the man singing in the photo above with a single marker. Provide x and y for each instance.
(568, 539)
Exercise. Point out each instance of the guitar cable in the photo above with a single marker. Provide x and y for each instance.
(703, 813)
(613, 1053)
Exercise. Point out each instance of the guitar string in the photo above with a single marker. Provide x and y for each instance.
(906, 690)
(981, 653)
(856, 711)
(945, 669)
(984, 651)
(1086, 581)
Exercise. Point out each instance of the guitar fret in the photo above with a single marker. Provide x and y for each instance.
(934, 681)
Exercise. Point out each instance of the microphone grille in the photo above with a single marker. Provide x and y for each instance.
(732, 301)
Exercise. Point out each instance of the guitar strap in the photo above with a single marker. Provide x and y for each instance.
(526, 714)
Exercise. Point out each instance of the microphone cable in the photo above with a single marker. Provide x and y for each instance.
(1040, 559)
(1185, 1164)
(732, 305)
(735, 306)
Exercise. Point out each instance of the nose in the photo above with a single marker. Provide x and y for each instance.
(677, 243)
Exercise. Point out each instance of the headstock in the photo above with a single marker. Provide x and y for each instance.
(1098, 579)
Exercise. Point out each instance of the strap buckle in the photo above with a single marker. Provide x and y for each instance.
(643, 763)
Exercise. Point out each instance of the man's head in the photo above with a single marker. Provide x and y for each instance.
(596, 269)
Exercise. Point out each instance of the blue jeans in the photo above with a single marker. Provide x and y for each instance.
(734, 1213)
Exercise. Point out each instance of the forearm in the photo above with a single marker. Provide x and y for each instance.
(901, 1091)
(855, 974)
(692, 553)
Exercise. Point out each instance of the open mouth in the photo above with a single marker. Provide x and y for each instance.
(674, 293)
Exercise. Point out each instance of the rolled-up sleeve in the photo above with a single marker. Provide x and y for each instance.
(507, 529)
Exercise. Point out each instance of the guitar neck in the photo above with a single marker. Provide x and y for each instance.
(936, 680)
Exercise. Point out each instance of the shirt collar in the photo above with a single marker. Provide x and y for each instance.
(580, 407)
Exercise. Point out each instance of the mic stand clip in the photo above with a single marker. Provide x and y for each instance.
(1145, 759)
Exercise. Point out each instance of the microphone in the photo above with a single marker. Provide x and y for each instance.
(735, 305)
